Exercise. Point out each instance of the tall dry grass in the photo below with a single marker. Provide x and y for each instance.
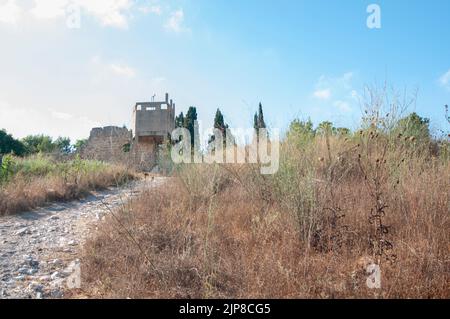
(309, 231)
(34, 181)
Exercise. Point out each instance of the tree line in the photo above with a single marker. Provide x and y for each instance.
(34, 144)
(411, 125)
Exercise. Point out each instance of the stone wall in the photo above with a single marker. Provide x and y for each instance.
(116, 145)
(108, 144)
(144, 151)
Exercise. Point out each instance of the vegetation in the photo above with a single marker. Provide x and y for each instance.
(10, 145)
(45, 144)
(219, 124)
(33, 181)
(258, 119)
(79, 144)
(340, 201)
(34, 144)
(190, 123)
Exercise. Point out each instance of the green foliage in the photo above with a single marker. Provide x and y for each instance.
(343, 131)
(63, 145)
(190, 123)
(219, 123)
(179, 120)
(326, 128)
(10, 145)
(41, 166)
(79, 144)
(44, 144)
(38, 144)
(258, 120)
(301, 132)
(6, 168)
(126, 148)
(415, 126)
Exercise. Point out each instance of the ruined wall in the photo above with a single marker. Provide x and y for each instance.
(116, 145)
(144, 152)
(108, 144)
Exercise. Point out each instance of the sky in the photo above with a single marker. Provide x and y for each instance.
(67, 66)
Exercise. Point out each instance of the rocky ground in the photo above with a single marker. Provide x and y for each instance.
(39, 250)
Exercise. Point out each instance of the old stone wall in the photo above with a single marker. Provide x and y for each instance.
(144, 151)
(108, 144)
(116, 145)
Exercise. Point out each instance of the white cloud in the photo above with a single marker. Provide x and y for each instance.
(122, 70)
(322, 94)
(444, 80)
(10, 12)
(23, 121)
(337, 89)
(109, 13)
(61, 115)
(175, 22)
(154, 9)
(342, 105)
(49, 9)
(112, 13)
(107, 71)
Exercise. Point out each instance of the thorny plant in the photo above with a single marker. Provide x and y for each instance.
(372, 162)
(333, 233)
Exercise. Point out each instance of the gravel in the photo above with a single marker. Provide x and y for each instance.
(39, 250)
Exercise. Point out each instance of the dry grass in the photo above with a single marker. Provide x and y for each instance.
(37, 181)
(228, 232)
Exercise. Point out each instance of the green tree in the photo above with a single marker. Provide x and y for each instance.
(179, 120)
(79, 144)
(298, 127)
(415, 126)
(219, 123)
(258, 119)
(343, 131)
(326, 127)
(63, 145)
(38, 144)
(190, 123)
(8, 144)
(301, 132)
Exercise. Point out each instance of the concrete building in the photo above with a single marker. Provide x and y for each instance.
(152, 124)
(154, 119)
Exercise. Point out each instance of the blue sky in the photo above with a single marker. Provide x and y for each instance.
(299, 58)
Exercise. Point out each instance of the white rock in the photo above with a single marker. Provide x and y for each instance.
(35, 286)
(32, 271)
(54, 276)
(72, 243)
(23, 231)
(56, 262)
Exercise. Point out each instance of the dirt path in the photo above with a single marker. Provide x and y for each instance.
(39, 250)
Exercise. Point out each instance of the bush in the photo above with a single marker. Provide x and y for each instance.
(33, 181)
